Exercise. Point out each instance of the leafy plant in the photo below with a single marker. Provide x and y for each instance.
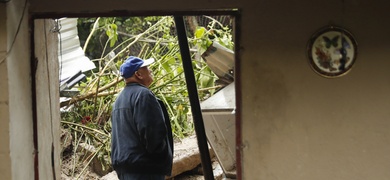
(109, 43)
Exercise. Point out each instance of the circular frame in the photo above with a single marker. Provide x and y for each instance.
(332, 51)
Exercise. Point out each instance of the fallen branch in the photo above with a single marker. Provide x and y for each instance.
(92, 93)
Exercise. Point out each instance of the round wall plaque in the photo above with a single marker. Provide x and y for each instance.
(332, 51)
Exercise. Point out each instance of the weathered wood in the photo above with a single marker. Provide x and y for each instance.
(47, 99)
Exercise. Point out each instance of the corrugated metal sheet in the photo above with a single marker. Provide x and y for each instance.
(71, 56)
(218, 111)
(221, 61)
(222, 101)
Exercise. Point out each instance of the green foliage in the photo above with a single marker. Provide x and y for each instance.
(215, 31)
(110, 42)
(112, 34)
(200, 38)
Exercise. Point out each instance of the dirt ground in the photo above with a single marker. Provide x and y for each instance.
(73, 167)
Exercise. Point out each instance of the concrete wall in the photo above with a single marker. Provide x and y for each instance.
(295, 124)
(16, 94)
(299, 125)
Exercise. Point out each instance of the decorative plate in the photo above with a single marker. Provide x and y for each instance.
(332, 51)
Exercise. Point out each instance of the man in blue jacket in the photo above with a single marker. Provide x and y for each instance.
(141, 137)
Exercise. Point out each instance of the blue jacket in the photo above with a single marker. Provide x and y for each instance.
(141, 137)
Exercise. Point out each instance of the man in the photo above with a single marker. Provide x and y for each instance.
(141, 137)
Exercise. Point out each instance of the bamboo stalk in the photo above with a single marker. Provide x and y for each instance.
(86, 127)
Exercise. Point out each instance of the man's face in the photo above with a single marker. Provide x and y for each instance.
(147, 76)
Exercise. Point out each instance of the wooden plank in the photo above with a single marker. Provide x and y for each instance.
(47, 93)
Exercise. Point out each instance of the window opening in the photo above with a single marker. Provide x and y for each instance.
(85, 108)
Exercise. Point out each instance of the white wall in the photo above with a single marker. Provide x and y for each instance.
(19, 92)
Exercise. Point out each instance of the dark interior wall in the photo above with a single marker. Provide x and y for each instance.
(4, 135)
